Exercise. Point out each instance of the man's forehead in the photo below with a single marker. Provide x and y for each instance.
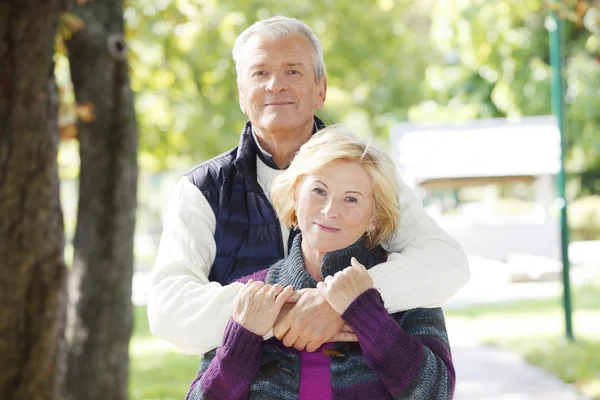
(261, 45)
(263, 61)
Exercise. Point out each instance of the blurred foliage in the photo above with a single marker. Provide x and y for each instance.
(386, 61)
(497, 65)
(375, 55)
(584, 218)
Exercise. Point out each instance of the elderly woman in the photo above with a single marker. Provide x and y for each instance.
(341, 195)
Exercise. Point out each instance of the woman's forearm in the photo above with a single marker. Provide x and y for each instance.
(232, 369)
(412, 360)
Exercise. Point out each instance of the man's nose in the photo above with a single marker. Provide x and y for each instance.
(276, 83)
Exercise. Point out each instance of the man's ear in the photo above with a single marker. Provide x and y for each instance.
(241, 98)
(322, 94)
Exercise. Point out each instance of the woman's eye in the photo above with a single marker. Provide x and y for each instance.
(351, 199)
(319, 191)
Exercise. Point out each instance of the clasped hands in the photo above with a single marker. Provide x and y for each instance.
(307, 318)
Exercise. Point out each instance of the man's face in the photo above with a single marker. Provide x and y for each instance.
(277, 84)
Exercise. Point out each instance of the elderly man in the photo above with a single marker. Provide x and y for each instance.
(220, 224)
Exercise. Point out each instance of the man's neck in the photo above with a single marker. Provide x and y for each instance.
(283, 145)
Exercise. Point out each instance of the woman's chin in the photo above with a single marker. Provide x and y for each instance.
(326, 245)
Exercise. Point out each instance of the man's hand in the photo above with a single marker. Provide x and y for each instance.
(310, 323)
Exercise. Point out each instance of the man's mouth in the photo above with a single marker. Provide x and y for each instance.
(279, 103)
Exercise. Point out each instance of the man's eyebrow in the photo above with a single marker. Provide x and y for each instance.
(257, 65)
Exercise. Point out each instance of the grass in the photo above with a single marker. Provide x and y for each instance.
(535, 330)
(158, 371)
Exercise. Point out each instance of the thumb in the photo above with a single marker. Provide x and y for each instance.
(295, 297)
(322, 288)
(356, 264)
(284, 296)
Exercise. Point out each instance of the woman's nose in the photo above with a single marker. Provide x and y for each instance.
(330, 210)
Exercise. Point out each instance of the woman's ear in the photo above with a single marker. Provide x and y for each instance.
(372, 224)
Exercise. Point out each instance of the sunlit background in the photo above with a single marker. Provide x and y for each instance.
(419, 76)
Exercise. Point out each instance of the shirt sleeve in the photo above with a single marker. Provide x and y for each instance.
(184, 307)
(426, 266)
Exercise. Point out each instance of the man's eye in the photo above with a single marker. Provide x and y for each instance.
(293, 72)
(259, 73)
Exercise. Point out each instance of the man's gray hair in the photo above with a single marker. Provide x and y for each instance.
(280, 27)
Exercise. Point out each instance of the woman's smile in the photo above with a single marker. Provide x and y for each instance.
(326, 228)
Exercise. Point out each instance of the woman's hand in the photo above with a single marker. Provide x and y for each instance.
(257, 306)
(345, 286)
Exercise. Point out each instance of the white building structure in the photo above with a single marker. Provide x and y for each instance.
(434, 158)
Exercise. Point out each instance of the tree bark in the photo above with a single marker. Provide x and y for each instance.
(32, 268)
(100, 312)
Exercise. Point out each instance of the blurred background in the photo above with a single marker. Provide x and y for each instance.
(459, 91)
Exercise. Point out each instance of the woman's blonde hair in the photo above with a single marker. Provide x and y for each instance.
(336, 143)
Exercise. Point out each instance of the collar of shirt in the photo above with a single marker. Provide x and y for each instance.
(264, 155)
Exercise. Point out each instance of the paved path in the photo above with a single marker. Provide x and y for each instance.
(486, 373)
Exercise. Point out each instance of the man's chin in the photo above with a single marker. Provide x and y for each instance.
(278, 122)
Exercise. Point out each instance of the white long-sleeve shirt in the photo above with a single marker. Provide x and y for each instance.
(425, 268)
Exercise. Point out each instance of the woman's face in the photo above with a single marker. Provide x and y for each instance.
(335, 206)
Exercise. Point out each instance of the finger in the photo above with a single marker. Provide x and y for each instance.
(274, 292)
(300, 344)
(276, 289)
(284, 296)
(289, 339)
(265, 289)
(255, 286)
(295, 297)
(346, 328)
(343, 337)
(311, 347)
(282, 327)
(322, 288)
(328, 279)
(356, 264)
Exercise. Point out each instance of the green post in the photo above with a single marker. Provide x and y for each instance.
(558, 107)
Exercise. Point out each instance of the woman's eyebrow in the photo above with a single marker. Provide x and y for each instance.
(355, 191)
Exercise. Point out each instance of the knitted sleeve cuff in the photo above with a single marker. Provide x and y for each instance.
(369, 319)
(239, 342)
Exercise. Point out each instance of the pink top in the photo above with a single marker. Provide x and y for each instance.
(315, 374)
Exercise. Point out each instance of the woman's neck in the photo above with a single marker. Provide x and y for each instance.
(312, 261)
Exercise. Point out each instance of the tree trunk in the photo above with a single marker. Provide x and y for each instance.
(32, 268)
(100, 312)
